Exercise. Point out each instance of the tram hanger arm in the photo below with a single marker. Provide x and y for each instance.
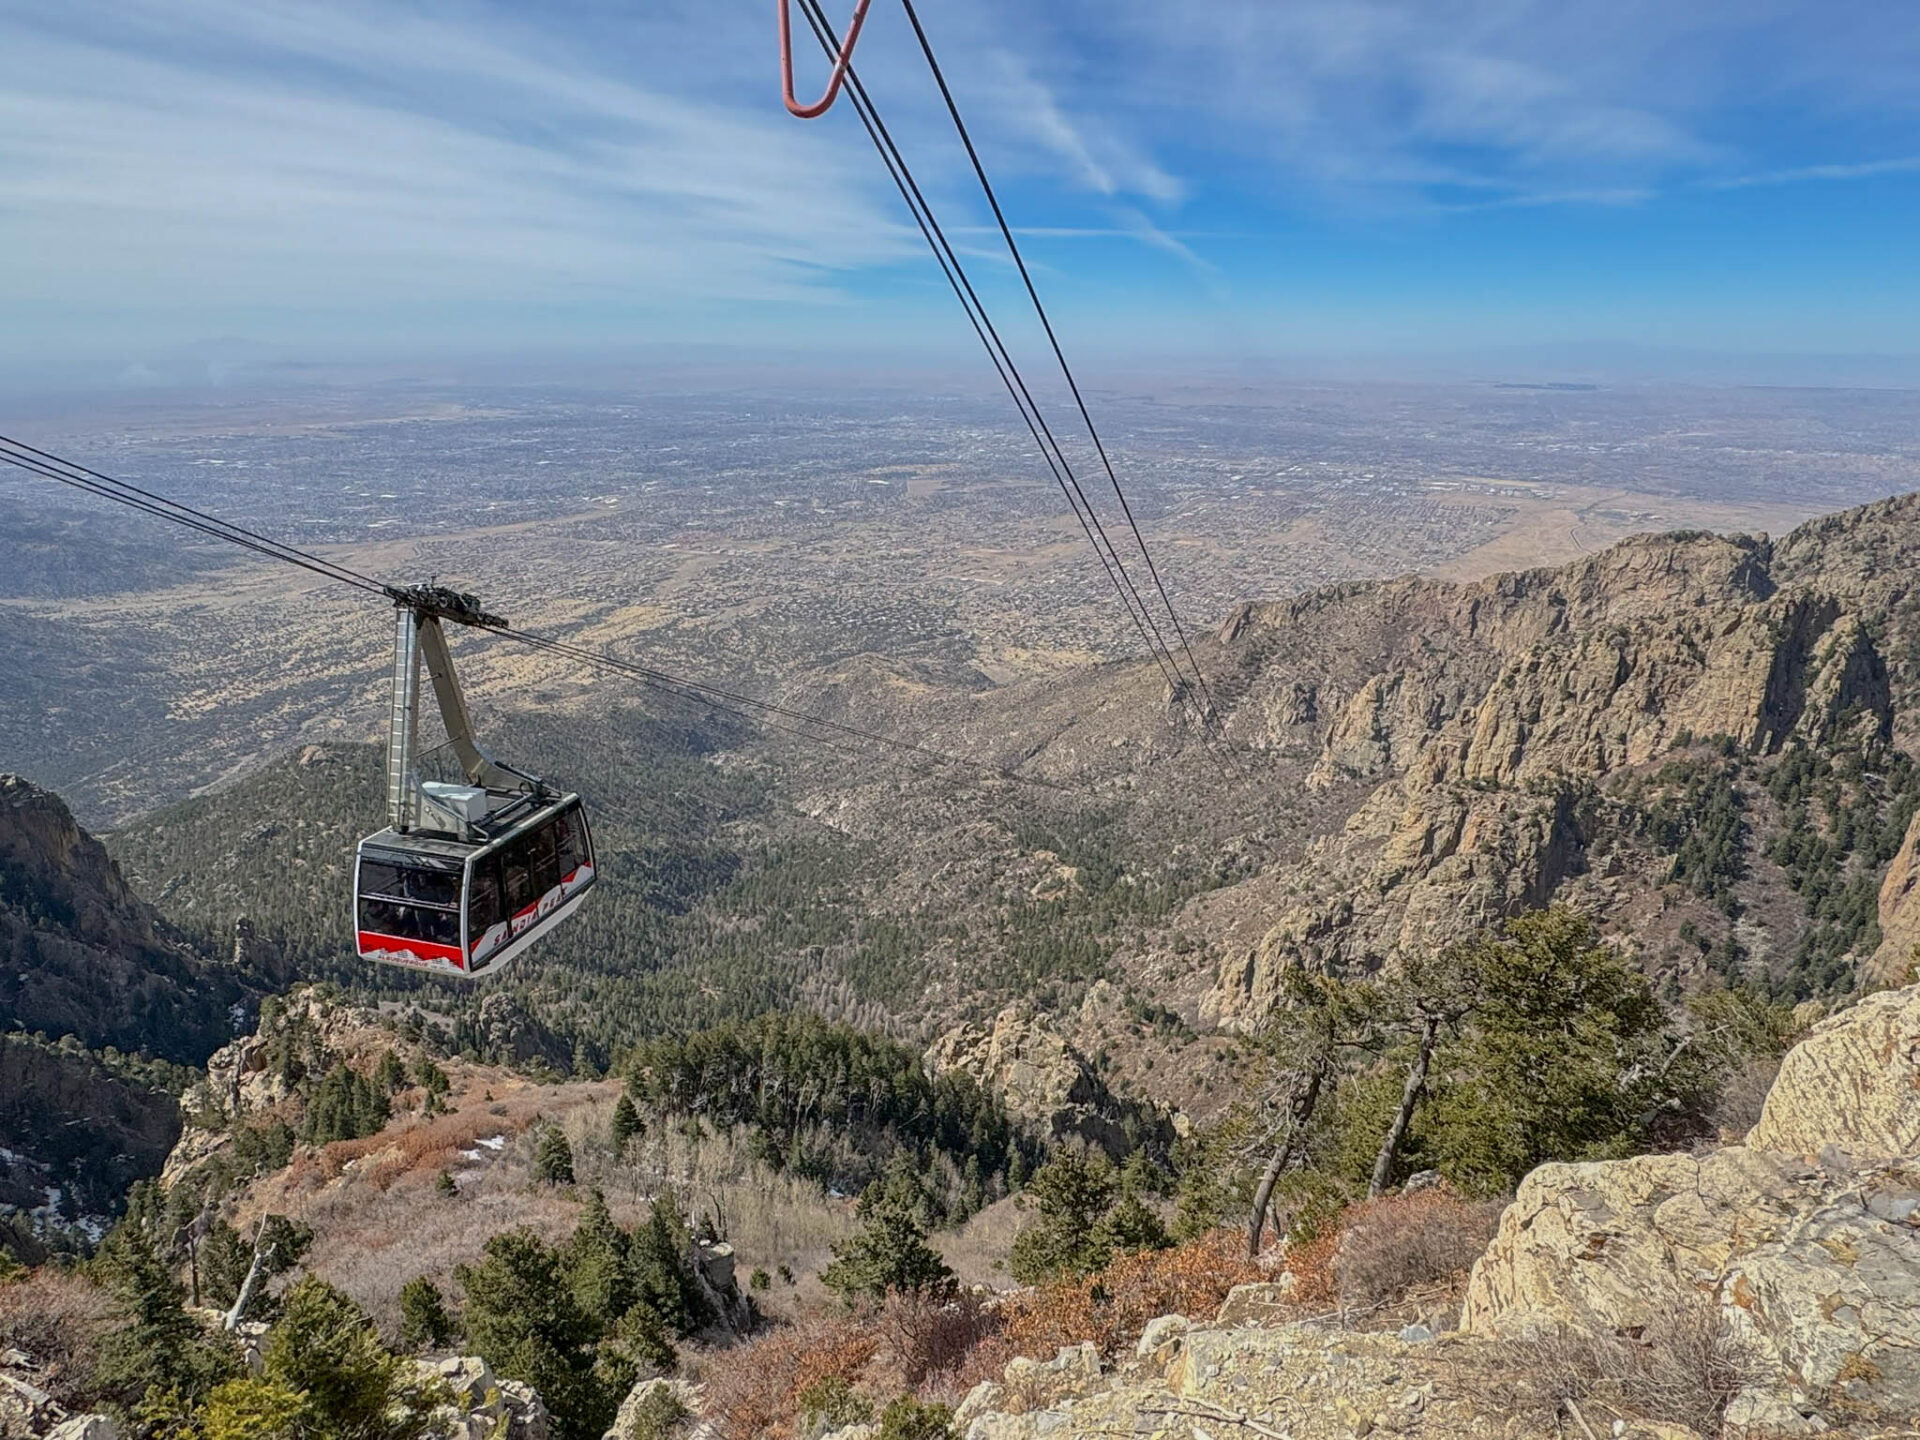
(480, 767)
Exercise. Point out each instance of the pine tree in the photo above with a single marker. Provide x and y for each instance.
(344, 1106)
(158, 1347)
(661, 1268)
(553, 1157)
(424, 1320)
(625, 1125)
(523, 1320)
(1561, 1060)
(889, 1255)
(255, 1409)
(325, 1349)
(1073, 1195)
(599, 1265)
(1128, 1227)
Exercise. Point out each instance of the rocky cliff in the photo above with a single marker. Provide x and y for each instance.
(92, 980)
(83, 956)
(1428, 757)
(1044, 1081)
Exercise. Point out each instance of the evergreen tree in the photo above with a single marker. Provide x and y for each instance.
(390, 1074)
(344, 1106)
(158, 1349)
(626, 1124)
(324, 1349)
(1072, 1194)
(663, 1270)
(1130, 1226)
(1562, 1059)
(255, 1409)
(524, 1321)
(890, 1254)
(600, 1265)
(424, 1321)
(553, 1157)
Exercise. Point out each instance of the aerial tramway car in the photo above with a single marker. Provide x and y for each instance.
(466, 876)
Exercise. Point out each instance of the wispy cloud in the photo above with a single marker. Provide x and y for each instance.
(1803, 174)
(308, 154)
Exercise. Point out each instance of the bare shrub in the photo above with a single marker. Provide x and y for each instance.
(1684, 1368)
(1316, 1285)
(58, 1321)
(753, 1390)
(923, 1336)
(1743, 1094)
(1398, 1243)
(1112, 1306)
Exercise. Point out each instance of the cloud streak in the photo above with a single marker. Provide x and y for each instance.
(191, 167)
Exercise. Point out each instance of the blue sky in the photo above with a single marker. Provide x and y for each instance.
(1200, 185)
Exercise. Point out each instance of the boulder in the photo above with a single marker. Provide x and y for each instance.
(85, 1427)
(1809, 1250)
(626, 1422)
(1040, 1382)
(1899, 914)
(485, 1408)
(1161, 1334)
(1262, 1302)
(1854, 1083)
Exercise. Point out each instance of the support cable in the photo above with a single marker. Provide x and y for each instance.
(1006, 232)
(1004, 364)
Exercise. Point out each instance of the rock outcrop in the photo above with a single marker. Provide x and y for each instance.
(1041, 1079)
(1893, 963)
(1302, 1381)
(1852, 1085)
(80, 955)
(484, 1406)
(1805, 1241)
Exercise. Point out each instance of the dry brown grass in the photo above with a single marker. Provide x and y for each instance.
(1398, 1248)
(977, 1251)
(939, 1350)
(379, 1218)
(59, 1321)
(1683, 1369)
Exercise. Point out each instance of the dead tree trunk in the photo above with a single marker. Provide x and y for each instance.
(262, 1257)
(1403, 1117)
(1300, 1108)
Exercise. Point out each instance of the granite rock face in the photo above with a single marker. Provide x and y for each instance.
(484, 1406)
(1853, 1084)
(1471, 724)
(1037, 1074)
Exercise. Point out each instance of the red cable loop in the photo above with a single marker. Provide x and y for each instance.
(840, 64)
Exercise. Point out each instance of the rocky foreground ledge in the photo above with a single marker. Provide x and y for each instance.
(1799, 1249)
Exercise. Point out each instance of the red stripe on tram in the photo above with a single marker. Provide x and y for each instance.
(420, 949)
